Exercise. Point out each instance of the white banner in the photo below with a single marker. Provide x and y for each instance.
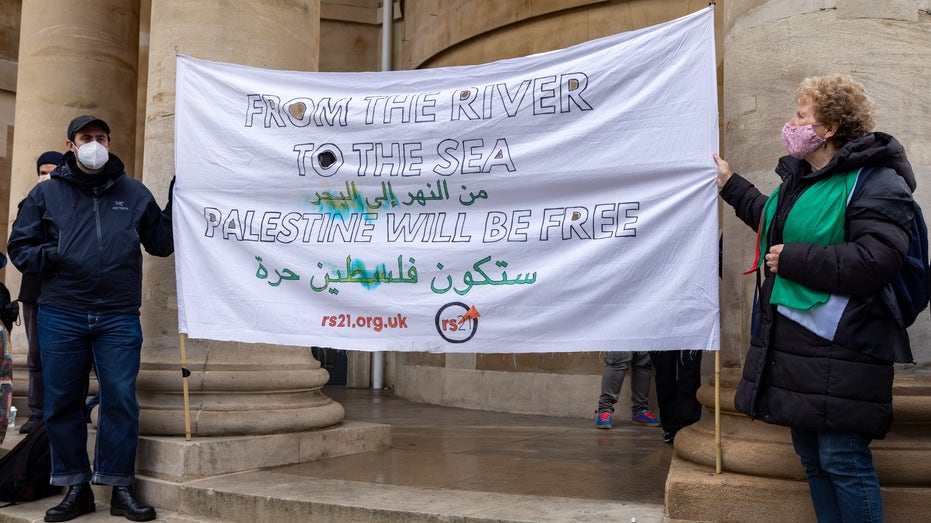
(559, 202)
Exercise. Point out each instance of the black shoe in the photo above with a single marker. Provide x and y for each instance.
(29, 425)
(124, 503)
(78, 501)
(669, 437)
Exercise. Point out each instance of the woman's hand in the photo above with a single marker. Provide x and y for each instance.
(724, 170)
(772, 258)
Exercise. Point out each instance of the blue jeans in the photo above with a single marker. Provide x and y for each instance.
(69, 342)
(841, 477)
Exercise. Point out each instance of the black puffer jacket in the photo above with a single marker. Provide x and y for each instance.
(84, 242)
(794, 377)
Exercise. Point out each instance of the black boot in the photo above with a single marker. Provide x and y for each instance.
(124, 503)
(79, 500)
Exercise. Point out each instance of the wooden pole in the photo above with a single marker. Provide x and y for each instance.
(717, 411)
(185, 373)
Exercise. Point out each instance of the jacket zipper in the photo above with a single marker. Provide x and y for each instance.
(97, 223)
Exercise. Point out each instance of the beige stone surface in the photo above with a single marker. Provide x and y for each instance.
(519, 392)
(347, 46)
(419, 383)
(696, 493)
(432, 26)
(289, 36)
(775, 45)
(234, 388)
(443, 465)
(176, 460)
(168, 470)
(770, 46)
(99, 61)
(460, 361)
(290, 500)
(459, 33)
(547, 363)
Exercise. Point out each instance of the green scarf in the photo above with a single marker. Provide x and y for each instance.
(817, 217)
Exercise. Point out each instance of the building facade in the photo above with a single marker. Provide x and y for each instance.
(115, 58)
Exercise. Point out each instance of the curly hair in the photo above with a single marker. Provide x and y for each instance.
(840, 100)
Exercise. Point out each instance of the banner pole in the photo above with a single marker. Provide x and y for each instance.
(717, 411)
(184, 376)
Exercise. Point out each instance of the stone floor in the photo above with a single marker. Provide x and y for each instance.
(447, 464)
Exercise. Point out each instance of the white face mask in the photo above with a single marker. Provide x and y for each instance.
(93, 155)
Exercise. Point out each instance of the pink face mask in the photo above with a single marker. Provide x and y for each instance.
(801, 141)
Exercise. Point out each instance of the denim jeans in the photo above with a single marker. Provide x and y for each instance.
(841, 477)
(612, 379)
(69, 342)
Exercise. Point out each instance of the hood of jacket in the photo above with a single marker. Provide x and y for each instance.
(876, 149)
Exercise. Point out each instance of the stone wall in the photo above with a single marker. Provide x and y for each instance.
(9, 51)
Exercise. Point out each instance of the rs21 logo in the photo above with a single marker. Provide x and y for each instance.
(457, 322)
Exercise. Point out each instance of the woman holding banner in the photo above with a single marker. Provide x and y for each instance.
(824, 334)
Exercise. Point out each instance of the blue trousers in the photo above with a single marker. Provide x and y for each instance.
(841, 477)
(69, 342)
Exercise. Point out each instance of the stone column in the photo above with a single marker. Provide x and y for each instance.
(74, 58)
(234, 388)
(770, 46)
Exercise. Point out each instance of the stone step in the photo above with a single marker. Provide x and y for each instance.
(34, 511)
(405, 462)
(278, 495)
(281, 494)
(266, 479)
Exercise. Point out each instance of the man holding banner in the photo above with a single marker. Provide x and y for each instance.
(80, 233)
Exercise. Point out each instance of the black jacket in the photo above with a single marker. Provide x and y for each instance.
(84, 242)
(31, 284)
(793, 376)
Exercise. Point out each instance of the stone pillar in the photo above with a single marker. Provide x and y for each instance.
(74, 58)
(770, 46)
(234, 388)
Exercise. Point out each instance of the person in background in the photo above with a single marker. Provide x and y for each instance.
(46, 163)
(6, 374)
(612, 378)
(28, 294)
(821, 360)
(82, 232)
(678, 377)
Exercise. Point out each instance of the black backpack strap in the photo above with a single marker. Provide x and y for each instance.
(858, 185)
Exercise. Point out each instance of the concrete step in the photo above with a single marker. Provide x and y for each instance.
(401, 461)
(278, 495)
(284, 494)
(34, 511)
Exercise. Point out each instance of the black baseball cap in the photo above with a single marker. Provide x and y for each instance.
(84, 120)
